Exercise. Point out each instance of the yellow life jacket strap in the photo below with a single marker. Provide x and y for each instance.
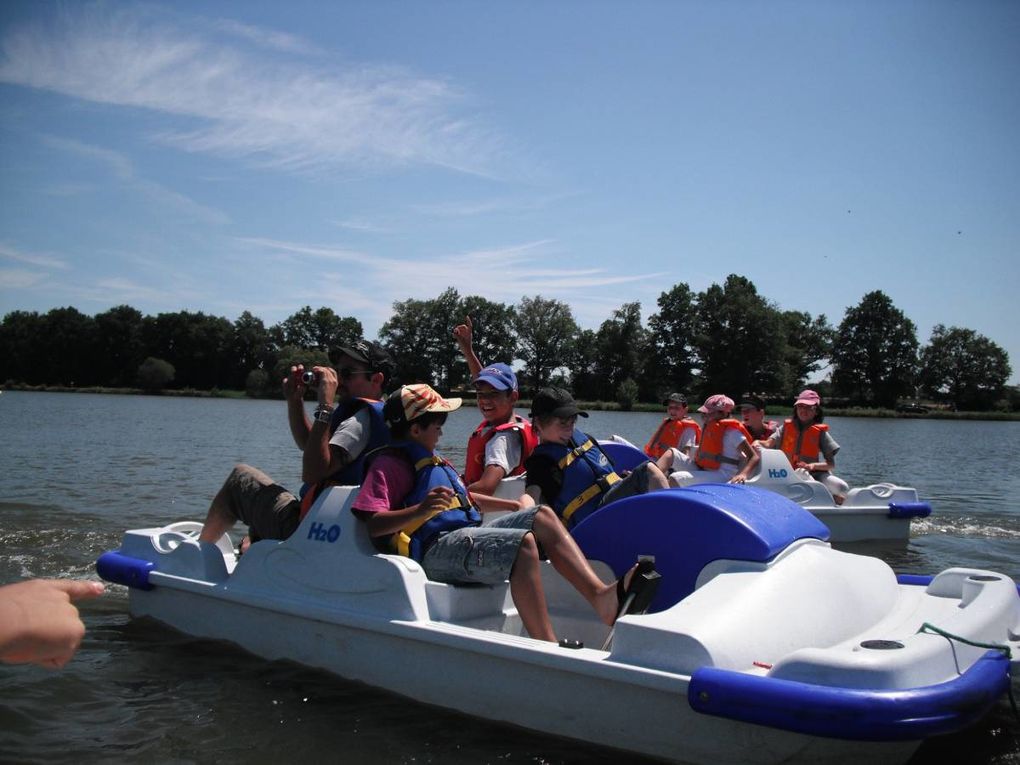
(574, 453)
(603, 484)
(424, 462)
(401, 540)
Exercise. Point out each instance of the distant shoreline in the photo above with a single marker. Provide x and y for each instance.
(594, 406)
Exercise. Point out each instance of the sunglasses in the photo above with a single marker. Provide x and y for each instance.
(346, 373)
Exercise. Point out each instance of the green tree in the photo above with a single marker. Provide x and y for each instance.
(23, 348)
(252, 349)
(256, 383)
(419, 336)
(874, 354)
(582, 360)
(963, 367)
(545, 331)
(119, 349)
(627, 394)
(197, 345)
(621, 346)
(322, 329)
(155, 374)
(808, 345)
(70, 341)
(671, 355)
(739, 338)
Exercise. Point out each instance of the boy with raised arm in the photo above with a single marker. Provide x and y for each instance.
(503, 440)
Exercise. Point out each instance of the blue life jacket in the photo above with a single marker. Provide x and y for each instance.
(431, 470)
(587, 474)
(353, 472)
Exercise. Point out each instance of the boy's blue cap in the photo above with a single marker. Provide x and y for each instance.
(499, 376)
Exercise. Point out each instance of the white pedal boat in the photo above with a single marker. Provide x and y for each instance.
(880, 512)
(763, 644)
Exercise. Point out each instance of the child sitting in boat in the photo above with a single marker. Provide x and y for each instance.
(415, 504)
(752, 412)
(503, 440)
(677, 431)
(569, 471)
(724, 455)
(808, 445)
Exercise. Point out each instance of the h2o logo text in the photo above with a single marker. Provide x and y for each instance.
(321, 533)
(780, 473)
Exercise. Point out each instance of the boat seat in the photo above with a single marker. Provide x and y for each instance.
(464, 602)
(624, 456)
(775, 473)
(686, 529)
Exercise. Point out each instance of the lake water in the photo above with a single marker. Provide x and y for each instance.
(78, 469)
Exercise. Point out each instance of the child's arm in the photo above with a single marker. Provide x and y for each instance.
(463, 334)
(487, 503)
(752, 456)
(384, 523)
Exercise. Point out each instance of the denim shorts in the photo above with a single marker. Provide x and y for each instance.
(479, 554)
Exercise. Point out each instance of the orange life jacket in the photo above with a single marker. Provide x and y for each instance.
(668, 436)
(484, 433)
(710, 451)
(802, 445)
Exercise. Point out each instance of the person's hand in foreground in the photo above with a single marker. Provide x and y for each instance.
(39, 623)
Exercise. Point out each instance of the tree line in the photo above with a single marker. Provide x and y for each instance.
(727, 338)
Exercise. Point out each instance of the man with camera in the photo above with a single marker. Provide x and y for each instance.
(333, 445)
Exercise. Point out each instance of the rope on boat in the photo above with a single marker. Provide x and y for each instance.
(1003, 649)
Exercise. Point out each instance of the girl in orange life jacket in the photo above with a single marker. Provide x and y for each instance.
(808, 445)
(398, 499)
(677, 431)
(725, 454)
(503, 440)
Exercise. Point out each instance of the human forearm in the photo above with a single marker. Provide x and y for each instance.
(319, 458)
(488, 503)
(382, 524)
(298, 421)
(464, 335)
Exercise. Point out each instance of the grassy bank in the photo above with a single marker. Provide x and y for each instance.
(774, 413)
(184, 392)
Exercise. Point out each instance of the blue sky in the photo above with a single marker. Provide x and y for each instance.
(263, 156)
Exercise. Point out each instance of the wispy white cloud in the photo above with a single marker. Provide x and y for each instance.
(34, 259)
(120, 289)
(19, 278)
(123, 169)
(338, 254)
(470, 208)
(267, 38)
(367, 285)
(363, 226)
(281, 110)
(70, 189)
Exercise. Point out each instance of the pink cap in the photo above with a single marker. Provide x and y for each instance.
(717, 403)
(808, 397)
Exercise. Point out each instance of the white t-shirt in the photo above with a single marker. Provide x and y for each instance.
(352, 434)
(504, 449)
